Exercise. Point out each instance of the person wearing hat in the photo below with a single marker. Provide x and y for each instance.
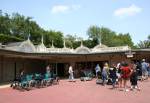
(97, 69)
(144, 69)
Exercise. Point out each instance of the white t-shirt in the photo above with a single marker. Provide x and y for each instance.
(70, 69)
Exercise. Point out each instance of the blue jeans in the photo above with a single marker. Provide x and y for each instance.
(148, 71)
(104, 78)
(113, 82)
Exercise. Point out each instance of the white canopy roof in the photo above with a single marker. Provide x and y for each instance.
(27, 46)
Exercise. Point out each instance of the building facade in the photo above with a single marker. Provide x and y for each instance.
(35, 58)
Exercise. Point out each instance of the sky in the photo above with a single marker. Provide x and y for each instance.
(76, 16)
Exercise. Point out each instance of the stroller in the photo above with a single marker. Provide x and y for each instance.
(99, 79)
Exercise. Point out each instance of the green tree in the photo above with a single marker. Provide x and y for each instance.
(90, 43)
(7, 38)
(145, 43)
(70, 40)
(21, 26)
(125, 39)
(109, 37)
(94, 32)
(55, 36)
(4, 23)
(73, 41)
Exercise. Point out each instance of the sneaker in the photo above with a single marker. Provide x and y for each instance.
(131, 88)
(11, 85)
(136, 87)
(126, 90)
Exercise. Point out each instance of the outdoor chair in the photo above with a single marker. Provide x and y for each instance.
(38, 80)
(55, 79)
(47, 80)
(30, 80)
(19, 83)
(24, 84)
(27, 82)
(87, 76)
(15, 82)
(99, 81)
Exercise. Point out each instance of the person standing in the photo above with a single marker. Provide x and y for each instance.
(126, 71)
(119, 79)
(104, 74)
(144, 70)
(134, 79)
(113, 74)
(97, 69)
(71, 77)
(48, 69)
(139, 70)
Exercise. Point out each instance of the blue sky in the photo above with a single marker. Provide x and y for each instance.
(75, 16)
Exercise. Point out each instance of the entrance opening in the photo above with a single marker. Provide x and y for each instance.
(61, 69)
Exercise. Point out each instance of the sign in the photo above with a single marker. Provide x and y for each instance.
(129, 55)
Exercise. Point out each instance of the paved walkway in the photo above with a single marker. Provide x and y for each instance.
(78, 92)
(4, 86)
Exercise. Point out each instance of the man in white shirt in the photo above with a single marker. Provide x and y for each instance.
(71, 77)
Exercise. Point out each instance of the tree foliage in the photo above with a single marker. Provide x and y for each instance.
(73, 41)
(6, 38)
(145, 43)
(4, 23)
(54, 36)
(109, 37)
(94, 32)
(19, 26)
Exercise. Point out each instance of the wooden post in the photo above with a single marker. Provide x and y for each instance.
(56, 69)
(15, 70)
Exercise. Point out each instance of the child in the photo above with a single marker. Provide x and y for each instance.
(134, 79)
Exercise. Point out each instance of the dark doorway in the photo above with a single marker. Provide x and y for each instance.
(61, 69)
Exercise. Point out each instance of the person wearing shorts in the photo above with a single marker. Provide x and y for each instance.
(125, 70)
